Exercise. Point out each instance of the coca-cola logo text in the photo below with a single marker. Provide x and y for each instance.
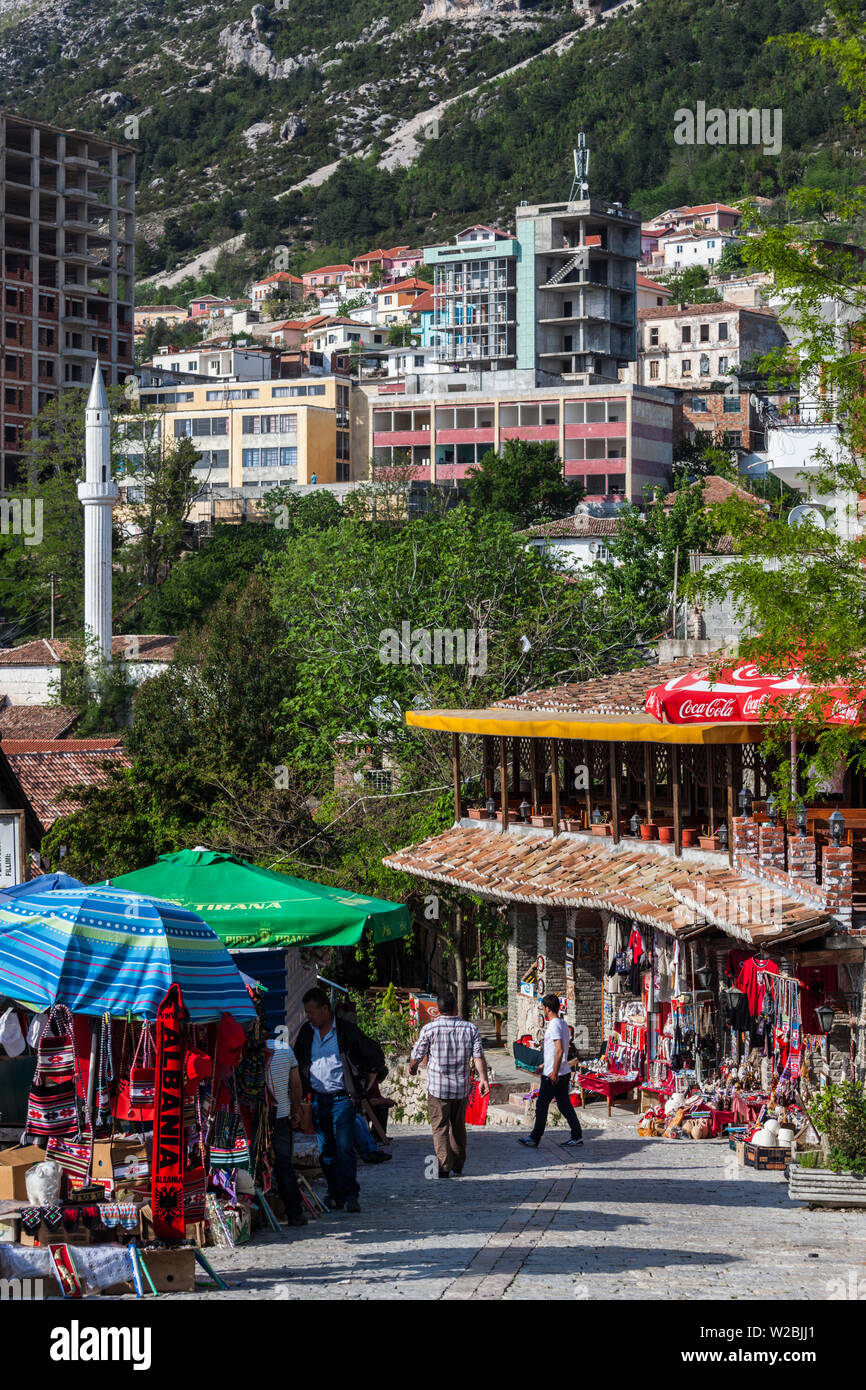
(707, 709)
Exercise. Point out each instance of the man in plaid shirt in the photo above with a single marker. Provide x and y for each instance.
(448, 1043)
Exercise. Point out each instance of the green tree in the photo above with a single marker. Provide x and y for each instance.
(525, 482)
(691, 286)
(731, 260)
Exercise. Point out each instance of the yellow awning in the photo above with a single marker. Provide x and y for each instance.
(623, 728)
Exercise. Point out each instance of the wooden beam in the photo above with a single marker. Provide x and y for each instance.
(649, 779)
(554, 783)
(587, 762)
(677, 801)
(503, 780)
(455, 767)
(515, 766)
(615, 779)
(711, 787)
(729, 777)
(487, 746)
(534, 780)
(826, 957)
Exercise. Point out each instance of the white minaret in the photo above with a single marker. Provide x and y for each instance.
(97, 494)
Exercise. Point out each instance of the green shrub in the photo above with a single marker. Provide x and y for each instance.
(839, 1112)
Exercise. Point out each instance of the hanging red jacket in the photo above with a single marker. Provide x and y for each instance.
(748, 980)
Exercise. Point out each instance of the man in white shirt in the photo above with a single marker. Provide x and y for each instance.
(555, 1078)
(284, 1083)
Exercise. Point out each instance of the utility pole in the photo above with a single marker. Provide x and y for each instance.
(52, 576)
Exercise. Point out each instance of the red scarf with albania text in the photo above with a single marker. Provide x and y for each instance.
(168, 1145)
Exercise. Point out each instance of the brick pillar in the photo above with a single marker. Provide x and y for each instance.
(551, 944)
(801, 860)
(745, 832)
(771, 846)
(836, 883)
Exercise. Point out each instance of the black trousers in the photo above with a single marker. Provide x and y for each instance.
(284, 1174)
(547, 1092)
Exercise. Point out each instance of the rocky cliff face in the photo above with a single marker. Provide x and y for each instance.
(456, 10)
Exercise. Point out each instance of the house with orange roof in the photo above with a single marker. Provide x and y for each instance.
(281, 282)
(394, 302)
(650, 293)
(326, 278)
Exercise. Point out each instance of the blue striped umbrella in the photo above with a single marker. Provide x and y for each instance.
(106, 950)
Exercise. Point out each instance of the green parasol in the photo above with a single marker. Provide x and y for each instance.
(249, 906)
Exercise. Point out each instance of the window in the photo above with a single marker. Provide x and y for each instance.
(213, 458)
(723, 364)
(197, 428)
(731, 405)
(299, 391)
(228, 395)
(700, 405)
(723, 332)
(687, 334)
(705, 332)
(654, 337)
(735, 439)
(653, 371)
(286, 457)
(687, 366)
(342, 445)
(705, 365)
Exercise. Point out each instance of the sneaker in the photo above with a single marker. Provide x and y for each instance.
(353, 1204)
(528, 1142)
(443, 1173)
(571, 1144)
(378, 1157)
(333, 1205)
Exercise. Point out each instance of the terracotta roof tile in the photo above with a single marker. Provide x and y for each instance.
(47, 770)
(623, 693)
(675, 895)
(578, 525)
(36, 721)
(133, 646)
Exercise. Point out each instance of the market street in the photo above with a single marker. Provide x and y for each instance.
(632, 1218)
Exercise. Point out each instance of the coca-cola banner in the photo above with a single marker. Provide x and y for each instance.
(743, 695)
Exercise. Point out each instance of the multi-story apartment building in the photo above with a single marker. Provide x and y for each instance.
(559, 297)
(680, 249)
(217, 361)
(615, 439)
(146, 315)
(67, 229)
(259, 435)
(692, 345)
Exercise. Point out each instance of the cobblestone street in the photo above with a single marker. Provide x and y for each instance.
(631, 1218)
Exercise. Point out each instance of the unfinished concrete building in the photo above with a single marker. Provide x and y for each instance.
(67, 228)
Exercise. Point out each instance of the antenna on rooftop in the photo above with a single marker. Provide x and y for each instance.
(580, 183)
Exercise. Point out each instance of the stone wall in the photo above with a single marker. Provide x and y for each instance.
(528, 941)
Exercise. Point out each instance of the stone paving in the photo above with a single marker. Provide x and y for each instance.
(627, 1218)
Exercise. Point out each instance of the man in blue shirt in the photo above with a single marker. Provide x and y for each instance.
(337, 1063)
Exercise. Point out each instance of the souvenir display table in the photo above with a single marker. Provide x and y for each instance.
(611, 1085)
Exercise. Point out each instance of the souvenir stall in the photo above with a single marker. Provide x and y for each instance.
(145, 1113)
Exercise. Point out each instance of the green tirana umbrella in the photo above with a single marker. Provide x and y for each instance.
(248, 906)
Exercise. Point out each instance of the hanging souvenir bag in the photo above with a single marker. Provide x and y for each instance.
(51, 1107)
(229, 1147)
(56, 1048)
(194, 1185)
(76, 1159)
(142, 1076)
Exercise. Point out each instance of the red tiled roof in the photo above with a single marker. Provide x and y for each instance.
(672, 311)
(718, 489)
(280, 275)
(132, 646)
(577, 871)
(697, 233)
(413, 283)
(45, 722)
(579, 525)
(644, 283)
(424, 303)
(622, 693)
(321, 269)
(46, 770)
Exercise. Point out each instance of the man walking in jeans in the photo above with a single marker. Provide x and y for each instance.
(555, 1079)
(448, 1043)
(338, 1064)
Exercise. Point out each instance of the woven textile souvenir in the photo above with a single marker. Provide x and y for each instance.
(229, 1147)
(56, 1049)
(194, 1193)
(75, 1159)
(51, 1110)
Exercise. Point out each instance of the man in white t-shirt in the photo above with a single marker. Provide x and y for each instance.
(284, 1083)
(555, 1078)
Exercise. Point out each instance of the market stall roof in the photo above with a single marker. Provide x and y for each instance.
(745, 692)
(625, 728)
(675, 895)
(103, 950)
(250, 906)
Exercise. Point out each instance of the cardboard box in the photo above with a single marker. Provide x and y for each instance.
(10, 1227)
(196, 1232)
(121, 1163)
(61, 1237)
(13, 1168)
(171, 1269)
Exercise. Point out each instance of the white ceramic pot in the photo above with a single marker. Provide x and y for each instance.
(785, 1137)
(771, 1126)
(765, 1139)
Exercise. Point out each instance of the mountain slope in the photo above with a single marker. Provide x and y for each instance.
(236, 107)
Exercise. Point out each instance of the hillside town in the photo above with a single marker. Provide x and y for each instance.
(432, 788)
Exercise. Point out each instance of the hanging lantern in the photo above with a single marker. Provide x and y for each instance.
(491, 807)
(825, 1015)
(837, 826)
(525, 810)
(722, 833)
